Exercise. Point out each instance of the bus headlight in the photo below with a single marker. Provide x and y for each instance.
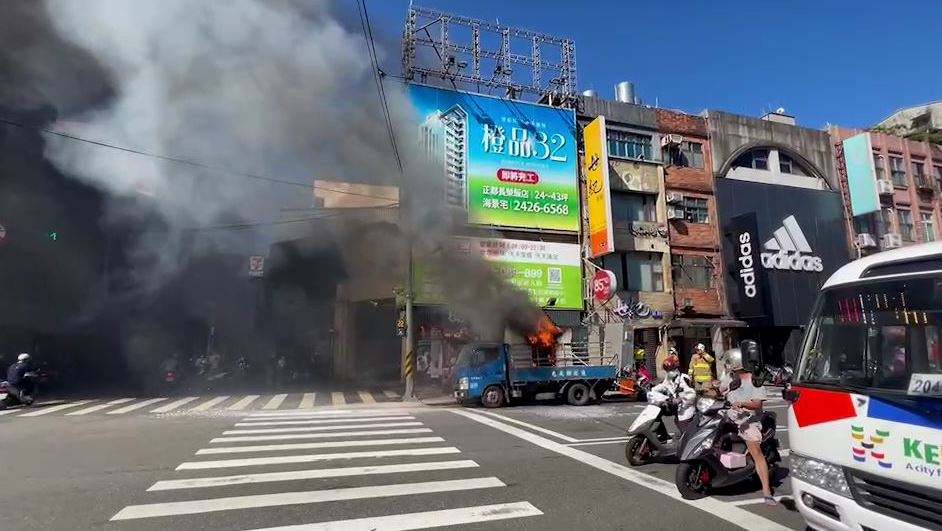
(820, 474)
(463, 384)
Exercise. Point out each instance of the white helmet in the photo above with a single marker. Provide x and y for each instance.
(700, 347)
(22, 357)
(733, 360)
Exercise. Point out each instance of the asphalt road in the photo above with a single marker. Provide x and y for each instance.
(366, 466)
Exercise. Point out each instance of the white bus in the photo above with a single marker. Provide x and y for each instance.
(865, 426)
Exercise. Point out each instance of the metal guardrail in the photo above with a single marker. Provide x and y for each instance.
(572, 354)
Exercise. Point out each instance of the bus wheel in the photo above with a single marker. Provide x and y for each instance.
(578, 394)
(493, 397)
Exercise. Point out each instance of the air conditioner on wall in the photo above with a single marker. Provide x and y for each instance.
(674, 197)
(865, 240)
(884, 187)
(671, 140)
(675, 213)
(892, 240)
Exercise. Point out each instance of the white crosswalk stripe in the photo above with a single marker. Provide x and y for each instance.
(99, 407)
(52, 409)
(307, 401)
(307, 422)
(275, 402)
(312, 458)
(209, 404)
(315, 446)
(296, 436)
(243, 403)
(174, 405)
(337, 398)
(366, 397)
(307, 429)
(391, 394)
(135, 406)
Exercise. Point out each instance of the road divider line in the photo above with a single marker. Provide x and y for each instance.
(392, 395)
(338, 399)
(243, 403)
(313, 458)
(533, 427)
(307, 429)
(316, 445)
(736, 516)
(52, 409)
(298, 436)
(366, 397)
(133, 512)
(134, 407)
(322, 421)
(174, 405)
(423, 520)
(275, 401)
(307, 400)
(99, 407)
(210, 403)
(297, 475)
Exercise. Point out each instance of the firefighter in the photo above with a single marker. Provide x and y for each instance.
(701, 368)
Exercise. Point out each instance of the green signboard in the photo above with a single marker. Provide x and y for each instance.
(545, 270)
(508, 163)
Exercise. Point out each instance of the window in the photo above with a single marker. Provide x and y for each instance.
(696, 210)
(906, 224)
(919, 172)
(878, 166)
(937, 172)
(757, 159)
(929, 225)
(628, 145)
(636, 271)
(689, 155)
(633, 207)
(885, 224)
(784, 163)
(692, 271)
(898, 172)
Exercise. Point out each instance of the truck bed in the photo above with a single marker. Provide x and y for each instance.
(570, 362)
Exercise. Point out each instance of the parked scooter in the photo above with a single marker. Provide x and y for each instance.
(712, 455)
(649, 439)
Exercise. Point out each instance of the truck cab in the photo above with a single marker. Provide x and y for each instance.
(481, 367)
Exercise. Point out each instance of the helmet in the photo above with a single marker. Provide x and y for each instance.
(22, 357)
(671, 364)
(700, 347)
(734, 360)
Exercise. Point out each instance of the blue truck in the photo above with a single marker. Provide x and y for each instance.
(494, 374)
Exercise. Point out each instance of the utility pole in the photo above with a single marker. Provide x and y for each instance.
(410, 334)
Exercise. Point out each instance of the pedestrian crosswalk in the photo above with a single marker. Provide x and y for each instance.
(268, 405)
(370, 464)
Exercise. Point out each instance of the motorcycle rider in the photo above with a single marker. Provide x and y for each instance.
(675, 387)
(745, 400)
(701, 368)
(18, 384)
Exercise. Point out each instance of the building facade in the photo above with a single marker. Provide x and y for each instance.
(780, 215)
(901, 177)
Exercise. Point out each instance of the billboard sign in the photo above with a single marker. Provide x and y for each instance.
(598, 196)
(746, 266)
(604, 285)
(508, 163)
(256, 266)
(861, 175)
(545, 270)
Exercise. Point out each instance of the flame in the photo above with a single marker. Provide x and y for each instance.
(546, 335)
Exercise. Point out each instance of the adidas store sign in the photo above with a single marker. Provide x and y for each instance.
(789, 249)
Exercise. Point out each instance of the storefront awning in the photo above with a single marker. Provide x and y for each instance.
(692, 323)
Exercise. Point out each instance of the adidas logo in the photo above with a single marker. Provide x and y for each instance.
(789, 249)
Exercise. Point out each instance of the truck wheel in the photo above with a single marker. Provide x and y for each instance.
(578, 394)
(493, 397)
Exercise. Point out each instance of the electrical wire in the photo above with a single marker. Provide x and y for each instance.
(180, 160)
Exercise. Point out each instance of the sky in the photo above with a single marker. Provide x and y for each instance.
(850, 63)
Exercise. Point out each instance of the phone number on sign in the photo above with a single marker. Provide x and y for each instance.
(526, 206)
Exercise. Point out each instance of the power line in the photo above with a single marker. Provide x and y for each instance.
(371, 49)
(187, 162)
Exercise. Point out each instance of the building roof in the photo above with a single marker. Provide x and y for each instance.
(906, 114)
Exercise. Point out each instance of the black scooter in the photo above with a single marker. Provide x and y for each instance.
(712, 455)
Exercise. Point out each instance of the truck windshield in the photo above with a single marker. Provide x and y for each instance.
(875, 335)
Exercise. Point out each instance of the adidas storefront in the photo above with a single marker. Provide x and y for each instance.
(780, 244)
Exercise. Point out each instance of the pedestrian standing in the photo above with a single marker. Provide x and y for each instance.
(701, 368)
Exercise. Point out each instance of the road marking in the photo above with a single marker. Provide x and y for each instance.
(424, 520)
(8, 411)
(307, 401)
(753, 501)
(244, 403)
(391, 394)
(313, 458)
(533, 427)
(53, 409)
(152, 510)
(592, 443)
(604, 439)
(739, 517)
(297, 414)
(366, 397)
(210, 403)
(314, 446)
(133, 407)
(99, 407)
(295, 475)
(306, 429)
(275, 402)
(295, 436)
(174, 405)
(337, 398)
(321, 421)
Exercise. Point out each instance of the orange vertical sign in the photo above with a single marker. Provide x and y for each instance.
(598, 197)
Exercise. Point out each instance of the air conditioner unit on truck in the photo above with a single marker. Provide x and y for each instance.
(865, 424)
